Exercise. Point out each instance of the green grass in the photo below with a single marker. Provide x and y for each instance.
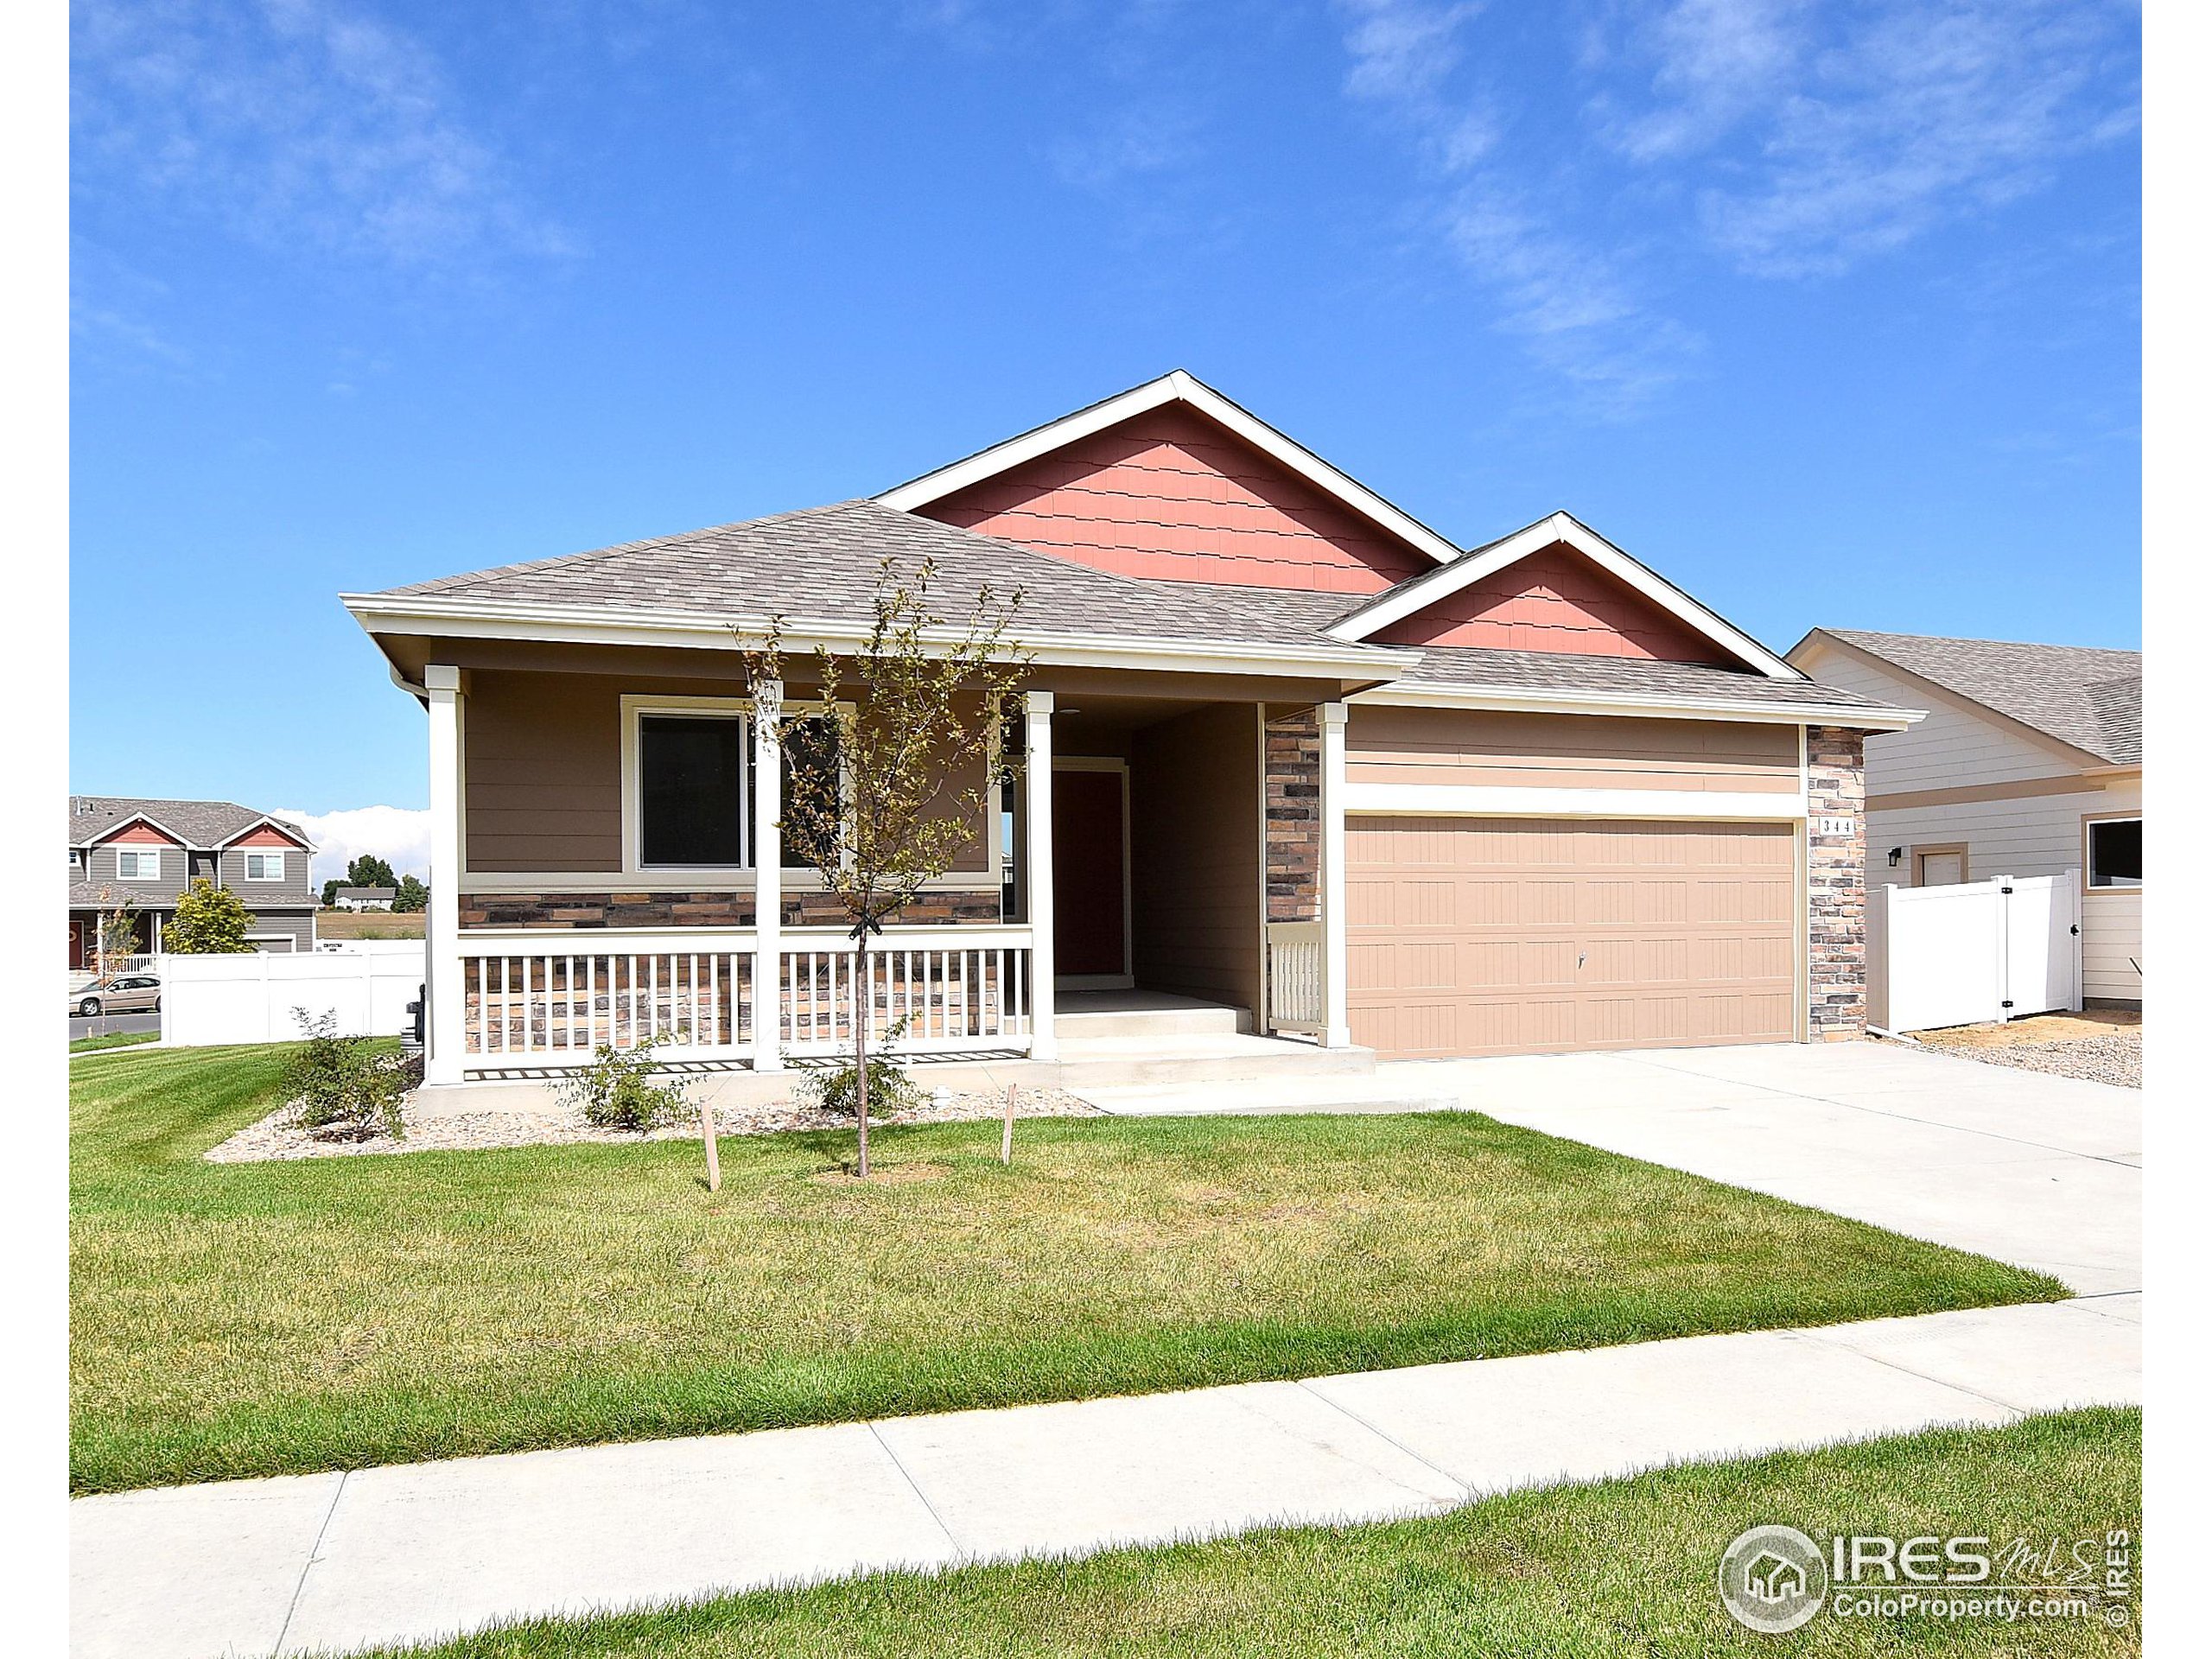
(111, 1039)
(1622, 1568)
(260, 1319)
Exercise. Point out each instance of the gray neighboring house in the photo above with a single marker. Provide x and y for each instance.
(147, 852)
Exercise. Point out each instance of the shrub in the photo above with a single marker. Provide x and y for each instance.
(836, 1088)
(345, 1087)
(210, 921)
(616, 1090)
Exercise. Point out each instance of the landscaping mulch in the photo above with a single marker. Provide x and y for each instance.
(277, 1137)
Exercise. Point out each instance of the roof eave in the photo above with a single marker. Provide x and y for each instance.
(1521, 699)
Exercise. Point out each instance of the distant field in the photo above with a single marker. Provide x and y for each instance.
(367, 925)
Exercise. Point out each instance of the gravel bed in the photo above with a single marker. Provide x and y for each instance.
(2116, 1058)
(274, 1137)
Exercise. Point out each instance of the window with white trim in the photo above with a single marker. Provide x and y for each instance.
(265, 866)
(2114, 854)
(138, 864)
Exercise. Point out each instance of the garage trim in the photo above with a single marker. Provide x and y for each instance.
(1506, 801)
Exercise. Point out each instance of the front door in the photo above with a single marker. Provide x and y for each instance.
(1089, 873)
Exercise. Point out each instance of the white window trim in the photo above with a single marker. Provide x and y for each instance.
(2089, 884)
(635, 708)
(122, 852)
(279, 854)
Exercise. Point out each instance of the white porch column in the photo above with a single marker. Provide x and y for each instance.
(442, 1032)
(1037, 866)
(767, 877)
(1335, 953)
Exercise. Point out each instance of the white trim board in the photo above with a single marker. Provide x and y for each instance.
(1176, 386)
(1422, 591)
(1508, 699)
(1509, 801)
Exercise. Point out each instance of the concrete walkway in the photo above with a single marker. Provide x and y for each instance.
(410, 1553)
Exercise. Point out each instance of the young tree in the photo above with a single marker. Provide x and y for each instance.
(871, 800)
(117, 939)
(411, 895)
(210, 921)
(370, 871)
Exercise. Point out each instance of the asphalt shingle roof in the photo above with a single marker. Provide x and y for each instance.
(1479, 666)
(203, 823)
(2082, 695)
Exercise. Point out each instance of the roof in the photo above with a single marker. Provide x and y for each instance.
(1479, 668)
(2084, 695)
(821, 565)
(201, 824)
(1176, 386)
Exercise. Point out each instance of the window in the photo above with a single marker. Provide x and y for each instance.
(694, 806)
(809, 767)
(138, 864)
(264, 866)
(2115, 853)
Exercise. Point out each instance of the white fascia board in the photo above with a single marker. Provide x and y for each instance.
(577, 625)
(1177, 386)
(1522, 700)
(1506, 801)
(1426, 590)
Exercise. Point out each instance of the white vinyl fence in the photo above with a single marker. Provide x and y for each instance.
(251, 999)
(1974, 954)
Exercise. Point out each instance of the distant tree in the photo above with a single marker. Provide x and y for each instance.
(370, 871)
(210, 921)
(412, 894)
(330, 893)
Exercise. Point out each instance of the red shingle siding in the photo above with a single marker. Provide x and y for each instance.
(266, 836)
(1168, 493)
(1558, 601)
(141, 835)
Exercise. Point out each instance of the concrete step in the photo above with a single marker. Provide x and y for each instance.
(1350, 1094)
(1163, 1021)
(1100, 1062)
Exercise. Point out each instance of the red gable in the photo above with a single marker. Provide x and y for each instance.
(1554, 600)
(267, 836)
(1170, 494)
(140, 833)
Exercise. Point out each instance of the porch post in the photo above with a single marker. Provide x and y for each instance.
(767, 877)
(1335, 953)
(1037, 866)
(445, 1043)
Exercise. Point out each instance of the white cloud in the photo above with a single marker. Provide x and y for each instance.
(296, 121)
(399, 835)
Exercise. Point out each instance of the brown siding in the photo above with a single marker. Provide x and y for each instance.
(1386, 745)
(543, 753)
(1195, 866)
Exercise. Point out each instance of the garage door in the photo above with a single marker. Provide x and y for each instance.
(1512, 935)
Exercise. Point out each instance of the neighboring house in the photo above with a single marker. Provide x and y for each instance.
(2029, 763)
(364, 898)
(148, 852)
(1288, 749)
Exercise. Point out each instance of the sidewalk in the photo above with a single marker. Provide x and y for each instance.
(412, 1552)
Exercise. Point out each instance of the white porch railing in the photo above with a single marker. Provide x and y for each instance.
(1296, 971)
(550, 999)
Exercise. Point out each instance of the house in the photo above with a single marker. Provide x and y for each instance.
(128, 849)
(364, 898)
(1288, 750)
(2030, 763)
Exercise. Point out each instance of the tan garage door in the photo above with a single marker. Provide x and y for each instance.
(1513, 935)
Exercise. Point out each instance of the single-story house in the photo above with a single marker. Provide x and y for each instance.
(364, 898)
(2029, 763)
(1287, 750)
(139, 853)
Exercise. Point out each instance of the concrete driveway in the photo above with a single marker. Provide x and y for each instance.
(2043, 1172)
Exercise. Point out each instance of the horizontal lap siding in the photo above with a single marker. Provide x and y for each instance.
(1476, 936)
(1449, 746)
(544, 764)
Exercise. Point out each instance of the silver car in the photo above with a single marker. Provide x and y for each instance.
(132, 993)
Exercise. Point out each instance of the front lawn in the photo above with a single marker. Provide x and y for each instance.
(259, 1319)
(1621, 1570)
(111, 1039)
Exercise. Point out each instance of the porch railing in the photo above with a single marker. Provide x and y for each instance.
(1295, 978)
(550, 1000)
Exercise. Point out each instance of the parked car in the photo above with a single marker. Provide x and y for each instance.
(132, 993)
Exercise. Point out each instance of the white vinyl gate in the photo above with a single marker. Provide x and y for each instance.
(1975, 953)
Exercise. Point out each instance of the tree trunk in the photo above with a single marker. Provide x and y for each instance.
(863, 1006)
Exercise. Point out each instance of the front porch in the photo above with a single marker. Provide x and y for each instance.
(1151, 897)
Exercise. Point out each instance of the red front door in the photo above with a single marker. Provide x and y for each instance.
(1090, 918)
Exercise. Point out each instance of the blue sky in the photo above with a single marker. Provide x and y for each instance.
(1829, 312)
